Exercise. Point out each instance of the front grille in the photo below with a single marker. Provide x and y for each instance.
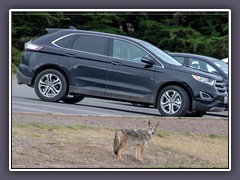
(220, 86)
(227, 87)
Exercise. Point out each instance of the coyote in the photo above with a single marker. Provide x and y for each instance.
(132, 136)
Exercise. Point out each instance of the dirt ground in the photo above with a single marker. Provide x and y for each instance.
(72, 141)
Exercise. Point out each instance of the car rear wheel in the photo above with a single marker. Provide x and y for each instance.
(173, 101)
(50, 85)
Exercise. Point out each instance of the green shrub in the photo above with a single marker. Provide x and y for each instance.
(16, 57)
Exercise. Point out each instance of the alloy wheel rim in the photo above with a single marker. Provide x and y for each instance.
(50, 85)
(171, 102)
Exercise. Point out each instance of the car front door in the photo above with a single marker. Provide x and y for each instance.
(128, 78)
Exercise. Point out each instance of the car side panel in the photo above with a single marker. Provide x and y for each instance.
(87, 72)
(129, 80)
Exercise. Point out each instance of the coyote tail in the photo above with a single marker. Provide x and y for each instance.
(116, 142)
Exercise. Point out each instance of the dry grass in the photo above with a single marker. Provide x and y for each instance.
(36, 145)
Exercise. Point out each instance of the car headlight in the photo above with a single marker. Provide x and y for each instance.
(204, 80)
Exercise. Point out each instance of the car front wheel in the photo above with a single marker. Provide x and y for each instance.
(196, 114)
(173, 101)
(50, 85)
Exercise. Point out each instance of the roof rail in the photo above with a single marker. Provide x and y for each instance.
(52, 30)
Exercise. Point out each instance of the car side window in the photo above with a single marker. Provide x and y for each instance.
(91, 44)
(64, 42)
(180, 59)
(211, 69)
(196, 63)
(128, 51)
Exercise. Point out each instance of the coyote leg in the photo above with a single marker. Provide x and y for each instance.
(120, 149)
(141, 152)
(137, 147)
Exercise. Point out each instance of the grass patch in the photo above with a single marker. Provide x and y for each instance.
(213, 136)
(72, 146)
(42, 126)
(163, 134)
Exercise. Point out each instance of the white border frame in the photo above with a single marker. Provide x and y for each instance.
(116, 10)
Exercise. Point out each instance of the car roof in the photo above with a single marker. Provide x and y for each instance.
(51, 30)
(202, 57)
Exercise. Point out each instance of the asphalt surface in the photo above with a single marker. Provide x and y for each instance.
(24, 99)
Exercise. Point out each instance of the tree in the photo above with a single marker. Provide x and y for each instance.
(203, 33)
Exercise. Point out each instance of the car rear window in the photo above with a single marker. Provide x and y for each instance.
(91, 44)
(65, 41)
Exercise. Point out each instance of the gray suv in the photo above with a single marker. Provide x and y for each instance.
(70, 64)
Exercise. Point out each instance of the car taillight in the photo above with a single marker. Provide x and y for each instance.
(32, 47)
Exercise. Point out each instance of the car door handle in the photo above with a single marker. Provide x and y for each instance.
(116, 63)
(70, 55)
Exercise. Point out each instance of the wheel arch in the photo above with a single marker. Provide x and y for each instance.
(49, 66)
(174, 83)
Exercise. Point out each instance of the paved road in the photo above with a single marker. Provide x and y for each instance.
(24, 99)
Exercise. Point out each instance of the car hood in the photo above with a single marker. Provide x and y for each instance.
(196, 72)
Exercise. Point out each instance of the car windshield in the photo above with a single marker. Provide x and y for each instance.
(223, 66)
(161, 54)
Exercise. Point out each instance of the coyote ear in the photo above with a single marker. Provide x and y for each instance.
(149, 123)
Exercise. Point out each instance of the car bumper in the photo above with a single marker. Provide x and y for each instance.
(21, 79)
(218, 105)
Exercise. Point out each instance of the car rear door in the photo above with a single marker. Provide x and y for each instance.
(85, 61)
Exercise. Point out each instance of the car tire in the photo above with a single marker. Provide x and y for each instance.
(173, 101)
(196, 114)
(50, 85)
(72, 99)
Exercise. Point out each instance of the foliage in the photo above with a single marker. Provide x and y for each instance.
(16, 55)
(203, 33)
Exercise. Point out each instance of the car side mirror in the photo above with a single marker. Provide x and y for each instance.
(147, 60)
